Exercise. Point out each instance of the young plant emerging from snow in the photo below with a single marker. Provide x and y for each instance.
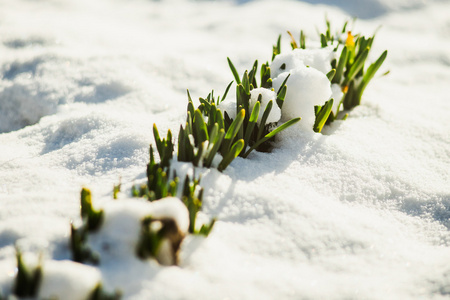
(27, 280)
(205, 135)
(346, 72)
(58, 280)
(91, 222)
(161, 226)
(260, 108)
(163, 230)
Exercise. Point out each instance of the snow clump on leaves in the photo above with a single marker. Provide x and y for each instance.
(266, 96)
(307, 85)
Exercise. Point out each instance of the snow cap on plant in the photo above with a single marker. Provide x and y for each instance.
(306, 87)
(318, 59)
(264, 96)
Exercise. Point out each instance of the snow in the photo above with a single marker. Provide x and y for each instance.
(73, 280)
(306, 87)
(359, 212)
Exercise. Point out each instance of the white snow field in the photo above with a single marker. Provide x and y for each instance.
(361, 211)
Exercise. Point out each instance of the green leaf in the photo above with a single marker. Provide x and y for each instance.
(232, 131)
(116, 190)
(262, 124)
(340, 67)
(252, 122)
(215, 147)
(265, 76)
(252, 74)
(92, 217)
(205, 230)
(231, 155)
(277, 48)
(233, 70)
(246, 82)
(323, 40)
(272, 134)
(302, 40)
(356, 67)
(226, 91)
(200, 129)
(27, 281)
(322, 114)
(373, 68)
(189, 96)
(283, 84)
(331, 74)
(281, 96)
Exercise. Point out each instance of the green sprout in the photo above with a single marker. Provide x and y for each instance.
(78, 244)
(159, 184)
(254, 136)
(322, 115)
(193, 199)
(116, 190)
(200, 141)
(92, 220)
(348, 71)
(99, 294)
(27, 281)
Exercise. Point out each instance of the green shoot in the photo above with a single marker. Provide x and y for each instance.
(116, 190)
(27, 282)
(322, 114)
(99, 294)
(93, 218)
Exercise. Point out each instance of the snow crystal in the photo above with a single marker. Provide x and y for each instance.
(267, 95)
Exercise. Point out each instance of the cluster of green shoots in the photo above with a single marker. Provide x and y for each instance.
(349, 70)
(28, 280)
(160, 184)
(209, 131)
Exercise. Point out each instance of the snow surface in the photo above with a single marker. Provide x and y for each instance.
(359, 212)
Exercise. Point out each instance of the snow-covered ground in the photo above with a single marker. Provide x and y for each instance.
(360, 212)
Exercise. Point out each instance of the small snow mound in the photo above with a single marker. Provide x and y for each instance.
(74, 129)
(31, 88)
(23, 104)
(306, 87)
(67, 280)
(119, 234)
(266, 96)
